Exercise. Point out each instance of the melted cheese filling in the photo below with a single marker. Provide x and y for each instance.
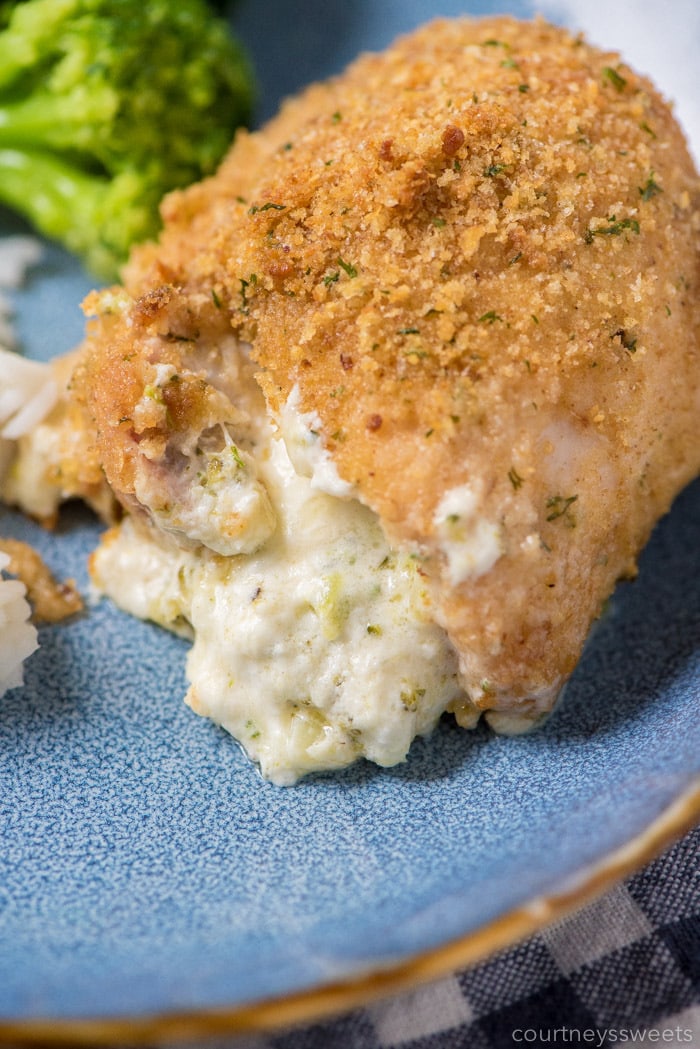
(314, 648)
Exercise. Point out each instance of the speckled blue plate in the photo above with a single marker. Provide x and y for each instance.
(146, 871)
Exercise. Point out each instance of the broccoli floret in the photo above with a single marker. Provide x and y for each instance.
(105, 105)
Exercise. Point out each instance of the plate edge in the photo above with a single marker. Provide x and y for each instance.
(378, 982)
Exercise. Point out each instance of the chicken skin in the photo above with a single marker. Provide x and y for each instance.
(467, 270)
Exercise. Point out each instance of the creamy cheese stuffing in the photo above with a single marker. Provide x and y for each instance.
(314, 649)
(313, 643)
(471, 544)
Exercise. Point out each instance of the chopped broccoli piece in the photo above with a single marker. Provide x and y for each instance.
(106, 105)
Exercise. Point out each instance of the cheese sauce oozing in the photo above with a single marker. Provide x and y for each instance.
(312, 650)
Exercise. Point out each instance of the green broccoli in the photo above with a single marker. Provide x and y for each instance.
(105, 105)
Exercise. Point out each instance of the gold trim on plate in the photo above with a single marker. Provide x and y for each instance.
(334, 998)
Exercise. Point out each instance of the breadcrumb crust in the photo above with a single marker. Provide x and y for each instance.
(476, 257)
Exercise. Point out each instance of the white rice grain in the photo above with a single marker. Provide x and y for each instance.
(27, 394)
(18, 637)
(27, 389)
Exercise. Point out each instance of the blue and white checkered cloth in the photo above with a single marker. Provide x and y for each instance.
(625, 970)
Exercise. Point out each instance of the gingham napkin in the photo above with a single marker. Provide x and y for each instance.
(625, 970)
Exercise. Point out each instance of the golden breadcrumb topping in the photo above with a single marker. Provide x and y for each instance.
(474, 258)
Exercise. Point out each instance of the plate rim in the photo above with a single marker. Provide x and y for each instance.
(377, 981)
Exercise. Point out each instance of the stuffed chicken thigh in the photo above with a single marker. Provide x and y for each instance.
(431, 337)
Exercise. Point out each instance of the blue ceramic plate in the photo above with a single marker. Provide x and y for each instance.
(146, 870)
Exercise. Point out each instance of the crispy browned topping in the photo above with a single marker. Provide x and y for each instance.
(476, 258)
(461, 277)
(452, 140)
(51, 601)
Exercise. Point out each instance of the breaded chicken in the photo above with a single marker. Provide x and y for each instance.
(468, 268)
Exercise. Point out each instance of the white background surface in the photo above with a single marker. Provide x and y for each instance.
(659, 39)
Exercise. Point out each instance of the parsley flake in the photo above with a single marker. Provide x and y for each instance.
(614, 228)
(613, 77)
(347, 267)
(560, 506)
(245, 284)
(270, 206)
(650, 188)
